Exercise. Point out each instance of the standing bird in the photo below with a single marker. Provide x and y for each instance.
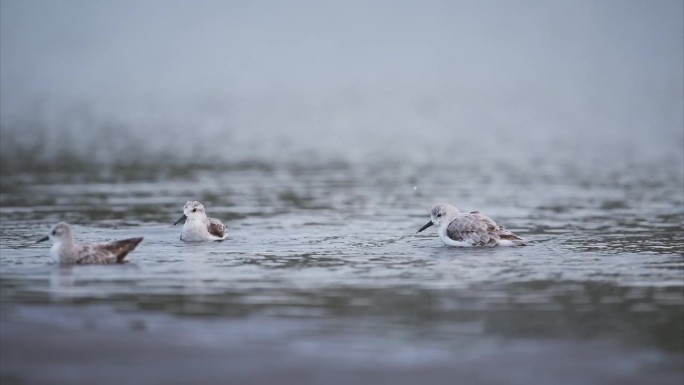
(198, 227)
(469, 229)
(66, 251)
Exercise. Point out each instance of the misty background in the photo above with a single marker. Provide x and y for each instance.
(102, 82)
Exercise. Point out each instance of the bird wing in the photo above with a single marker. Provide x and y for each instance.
(478, 229)
(113, 252)
(94, 254)
(216, 228)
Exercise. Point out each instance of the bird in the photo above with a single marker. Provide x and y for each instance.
(198, 227)
(66, 251)
(456, 228)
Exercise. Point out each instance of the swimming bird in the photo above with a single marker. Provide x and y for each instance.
(457, 228)
(198, 227)
(66, 251)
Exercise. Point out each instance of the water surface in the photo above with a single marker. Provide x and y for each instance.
(323, 277)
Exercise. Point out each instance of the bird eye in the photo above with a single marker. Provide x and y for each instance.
(439, 215)
(194, 210)
(54, 232)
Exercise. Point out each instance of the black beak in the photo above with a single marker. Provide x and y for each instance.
(181, 219)
(425, 227)
(45, 238)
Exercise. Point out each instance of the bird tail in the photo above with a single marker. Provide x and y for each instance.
(123, 247)
(513, 239)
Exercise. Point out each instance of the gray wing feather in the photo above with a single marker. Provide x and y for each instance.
(216, 228)
(478, 229)
(94, 254)
(113, 252)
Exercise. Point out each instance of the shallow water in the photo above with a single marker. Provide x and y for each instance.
(323, 278)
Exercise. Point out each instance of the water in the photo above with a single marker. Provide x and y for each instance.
(323, 278)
